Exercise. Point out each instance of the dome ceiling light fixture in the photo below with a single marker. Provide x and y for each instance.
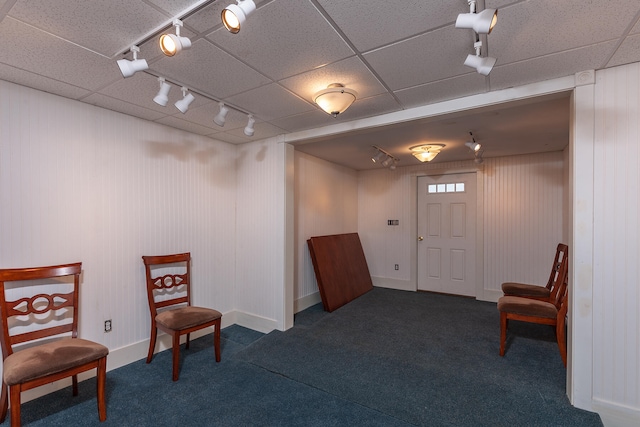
(335, 99)
(426, 152)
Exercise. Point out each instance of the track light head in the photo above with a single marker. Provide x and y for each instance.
(163, 94)
(481, 23)
(233, 16)
(248, 130)
(221, 117)
(170, 44)
(473, 146)
(129, 68)
(482, 65)
(183, 104)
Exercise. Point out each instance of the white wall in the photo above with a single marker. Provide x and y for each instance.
(521, 213)
(326, 202)
(616, 252)
(80, 183)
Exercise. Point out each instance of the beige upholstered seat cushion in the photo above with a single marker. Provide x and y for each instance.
(50, 358)
(525, 290)
(527, 307)
(186, 317)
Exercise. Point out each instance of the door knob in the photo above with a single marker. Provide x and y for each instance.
(420, 238)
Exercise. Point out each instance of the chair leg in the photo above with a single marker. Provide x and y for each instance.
(74, 383)
(503, 332)
(152, 342)
(14, 398)
(102, 379)
(4, 402)
(216, 339)
(562, 340)
(176, 355)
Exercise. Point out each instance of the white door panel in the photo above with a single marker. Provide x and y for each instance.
(446, 223)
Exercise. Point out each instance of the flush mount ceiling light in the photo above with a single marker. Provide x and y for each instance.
(183, 104)
(163, 94)
(335, 99)
(129, 68)
(170, 44)
(234, 15)
(481, 23)
(221, 117)
(483, 65)
(427, 152)
(248, 130)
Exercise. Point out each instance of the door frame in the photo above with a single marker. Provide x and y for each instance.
(479, 217)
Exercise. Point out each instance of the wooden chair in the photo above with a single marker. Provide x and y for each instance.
(542, 293)
(552, 312)
(43, 316)
(170, 306)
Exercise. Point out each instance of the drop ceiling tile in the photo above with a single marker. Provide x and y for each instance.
(517, 35)
(121, 106)
(303, 41)
(271, 101)
(351, 72)
(367, 107)
(549, 67)
(204, 115)
(36, 81)
(376, 23)
(175, 7)
(209, 17)
(456, 87)
(179, 123)
(434, 56)
(141, 88)
(627, 52)
(210, 70)
(309, 120)
(105, 27)
(33, 49)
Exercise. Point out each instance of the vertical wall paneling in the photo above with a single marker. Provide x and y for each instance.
(521, 216)
(80, 183)
(325, 203)
(616, 253)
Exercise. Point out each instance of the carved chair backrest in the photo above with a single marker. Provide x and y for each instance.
(169, 289)
(40, 312)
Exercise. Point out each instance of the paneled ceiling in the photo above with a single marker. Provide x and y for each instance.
(397, 54)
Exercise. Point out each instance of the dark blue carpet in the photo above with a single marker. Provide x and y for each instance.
(389, 358)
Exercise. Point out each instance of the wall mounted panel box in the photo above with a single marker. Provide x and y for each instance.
(393, 222)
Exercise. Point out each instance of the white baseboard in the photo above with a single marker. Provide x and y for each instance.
(401, 285)
(490, 295)
(616, 415)
(306, 302)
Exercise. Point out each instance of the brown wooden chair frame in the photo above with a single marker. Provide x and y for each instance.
(166, 282)
(558, 298)
(562, 253)
(34, 305)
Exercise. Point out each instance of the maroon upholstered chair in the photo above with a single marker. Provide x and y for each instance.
(539, 292)
(551, 312)
(43, 303)
(170, 306)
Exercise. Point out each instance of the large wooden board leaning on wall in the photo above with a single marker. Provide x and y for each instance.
(341, 268)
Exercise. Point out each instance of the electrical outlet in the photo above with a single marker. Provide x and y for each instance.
(107, 325)
(397, 267)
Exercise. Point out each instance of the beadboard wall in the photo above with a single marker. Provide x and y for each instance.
(522, 215)
(616, 233)
(326, 198)
(80, 183)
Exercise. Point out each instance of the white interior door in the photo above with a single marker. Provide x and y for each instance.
(447, 233)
